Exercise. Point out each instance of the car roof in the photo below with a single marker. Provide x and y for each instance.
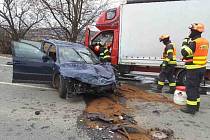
(59, 43)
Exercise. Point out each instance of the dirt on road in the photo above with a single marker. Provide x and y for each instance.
(111, 114)
(131, 92)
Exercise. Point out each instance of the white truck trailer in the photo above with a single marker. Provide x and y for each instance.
(135, 29)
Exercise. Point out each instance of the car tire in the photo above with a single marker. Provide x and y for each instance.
(56, 81)
(62, 88)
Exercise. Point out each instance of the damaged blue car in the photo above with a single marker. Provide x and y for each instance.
(69, 67)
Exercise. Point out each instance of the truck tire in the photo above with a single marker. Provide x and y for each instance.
(181, 77)
(62, 88)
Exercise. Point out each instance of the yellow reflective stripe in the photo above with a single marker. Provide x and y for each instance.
(189, 51)
(195, 66)
(199, 62)
(183, 47)
(200, 57)
(106, 51)
(174, 58)
(160, 83)
(170, 51)
(198, 100)
(172, 62)
(191, 102)
(172, 84)
(107, 56)
(101, 53)
(185, 40)
(189, 56)
(166, 59)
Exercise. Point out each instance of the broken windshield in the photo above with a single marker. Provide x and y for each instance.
(88, 56)
(84, 55)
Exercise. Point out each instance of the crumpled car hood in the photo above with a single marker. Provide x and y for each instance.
(100, 74)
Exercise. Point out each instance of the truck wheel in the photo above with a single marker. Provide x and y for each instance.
(181, 77)
(62, 88)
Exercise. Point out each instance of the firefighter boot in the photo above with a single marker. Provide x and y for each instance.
(190, 109)
(198, 106)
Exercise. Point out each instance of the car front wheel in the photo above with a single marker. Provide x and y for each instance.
(56, 81)
(62, 88)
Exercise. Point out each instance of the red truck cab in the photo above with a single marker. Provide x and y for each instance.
(120, 30)
(108, 35)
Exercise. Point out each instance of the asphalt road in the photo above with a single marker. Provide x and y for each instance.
(58, 117)
(166, 116)
(19, 102)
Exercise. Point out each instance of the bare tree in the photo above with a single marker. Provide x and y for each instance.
(73, 15)
(17, 17)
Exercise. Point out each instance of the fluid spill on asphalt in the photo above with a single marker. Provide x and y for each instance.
(109, 117)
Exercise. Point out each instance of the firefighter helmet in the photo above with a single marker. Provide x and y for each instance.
(197, 27)
(162, 37)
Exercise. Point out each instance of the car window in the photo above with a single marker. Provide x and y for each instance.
(104, 38)
(33, 43)
(27, 51)
(88, 56)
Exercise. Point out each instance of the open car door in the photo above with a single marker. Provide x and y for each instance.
(30, 64)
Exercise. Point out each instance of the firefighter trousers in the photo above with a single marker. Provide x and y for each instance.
(168, 73)
(193, 79)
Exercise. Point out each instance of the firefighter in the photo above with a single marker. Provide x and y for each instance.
(96, 49)
(168, 65)
(194, 51)
(105, 55)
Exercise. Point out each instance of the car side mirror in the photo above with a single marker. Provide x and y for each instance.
(45, 58)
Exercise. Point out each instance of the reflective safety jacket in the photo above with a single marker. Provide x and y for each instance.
(105, 55)
(195, 53)
(169, 54)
